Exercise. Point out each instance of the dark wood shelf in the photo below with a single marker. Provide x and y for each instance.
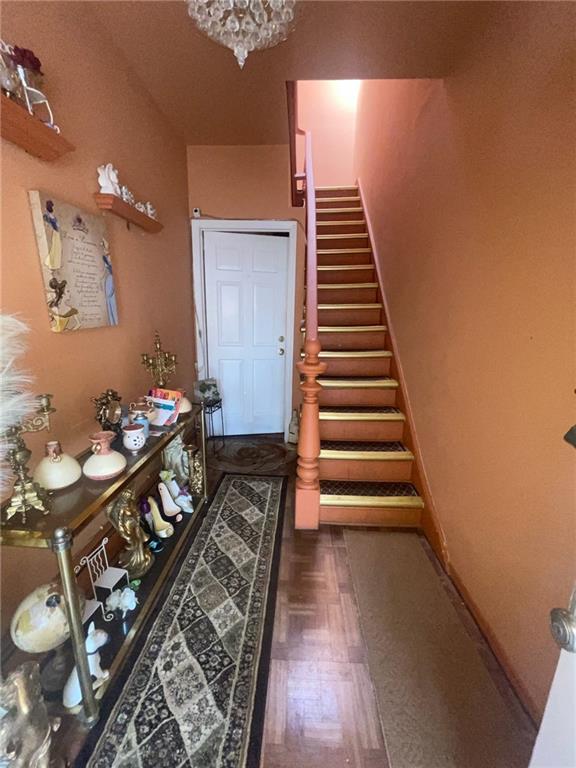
(118, 207)
(32, 135)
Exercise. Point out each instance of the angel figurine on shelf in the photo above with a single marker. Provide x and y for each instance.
(108, 180)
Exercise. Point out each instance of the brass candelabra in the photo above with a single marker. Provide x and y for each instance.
(27, 496)
(161, 365)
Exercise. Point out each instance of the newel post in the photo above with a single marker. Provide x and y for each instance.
(307, 508)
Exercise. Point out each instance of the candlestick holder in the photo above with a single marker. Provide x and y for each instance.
(161, 365)
(27, 496)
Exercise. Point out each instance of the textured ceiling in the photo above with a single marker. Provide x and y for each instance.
(209, 100)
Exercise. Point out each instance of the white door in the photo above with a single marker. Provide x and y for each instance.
(556, 742)
(246, 301)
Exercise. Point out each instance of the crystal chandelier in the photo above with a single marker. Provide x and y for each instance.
(243, 25)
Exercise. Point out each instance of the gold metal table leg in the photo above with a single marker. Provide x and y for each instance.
(62, 545)
(203, 434)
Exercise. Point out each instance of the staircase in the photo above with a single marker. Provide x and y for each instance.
(366, 470)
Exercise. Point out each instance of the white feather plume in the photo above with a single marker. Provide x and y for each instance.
(16, 401)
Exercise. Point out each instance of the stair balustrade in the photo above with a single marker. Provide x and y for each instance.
(307, 506)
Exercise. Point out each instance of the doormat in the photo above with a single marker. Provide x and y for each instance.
(196, 692)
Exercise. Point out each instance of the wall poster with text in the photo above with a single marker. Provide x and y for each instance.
(76, 264)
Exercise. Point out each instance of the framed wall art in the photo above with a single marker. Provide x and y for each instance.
(76, 264)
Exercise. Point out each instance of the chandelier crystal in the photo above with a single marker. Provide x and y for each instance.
(243, 25)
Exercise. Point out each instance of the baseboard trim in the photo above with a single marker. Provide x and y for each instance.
(522, 693)
(429, 519)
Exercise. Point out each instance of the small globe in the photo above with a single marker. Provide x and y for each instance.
(40, 623)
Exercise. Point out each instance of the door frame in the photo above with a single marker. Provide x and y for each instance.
(244, 227)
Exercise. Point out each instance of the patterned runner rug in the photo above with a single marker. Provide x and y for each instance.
(195, 696)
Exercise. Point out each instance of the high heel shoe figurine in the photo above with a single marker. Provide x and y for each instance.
(162, 528)
(181, 498)
(169, 506)
(153, 542)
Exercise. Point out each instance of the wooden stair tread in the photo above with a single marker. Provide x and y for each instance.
(364, 451)
(347, 236)
(344, 223)
(351, 328)
(324, 251)
(343, 267)
(359, 413)
(347, 493)
(340, 210)
(373, 305)
(355, 354)
(344, 286)
(358, 382)
(348, 199)
(334, 188)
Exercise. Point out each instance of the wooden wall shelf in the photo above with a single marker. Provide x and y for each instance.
(125, 211)
(32, 135)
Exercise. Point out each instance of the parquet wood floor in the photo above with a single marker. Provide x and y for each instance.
(321, 710)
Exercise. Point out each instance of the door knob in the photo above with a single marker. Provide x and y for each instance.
(280, 338)
(563, 625)
(280, 351)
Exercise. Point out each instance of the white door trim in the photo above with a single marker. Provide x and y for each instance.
(244, 226)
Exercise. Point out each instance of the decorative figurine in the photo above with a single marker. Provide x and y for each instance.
(102, 576)
(175, 460)
(34, 97)
(125, 517)
(127, 195)
(25, 728)
(57, 469)
(195, 470)
(96, 638)
(109, 410)
(105, 463)
(108, 180)
(122, 600)
(180, 497)
(162, 528)
(161, 365)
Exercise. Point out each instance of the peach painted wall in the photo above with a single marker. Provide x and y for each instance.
(469, 184)
(106, 113)
(327, 108)
(248, 182)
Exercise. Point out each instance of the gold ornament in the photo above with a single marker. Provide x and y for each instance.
(125, 517)
(161, 365)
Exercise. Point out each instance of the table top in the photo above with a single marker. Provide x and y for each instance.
(75, 506)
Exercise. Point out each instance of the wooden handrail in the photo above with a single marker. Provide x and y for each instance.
(307, 505)
(292, 99)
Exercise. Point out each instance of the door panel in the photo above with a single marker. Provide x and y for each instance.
(246, 287)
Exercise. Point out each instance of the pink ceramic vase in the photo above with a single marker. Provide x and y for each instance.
(105, 463)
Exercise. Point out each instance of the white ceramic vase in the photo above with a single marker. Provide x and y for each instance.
(57, 469)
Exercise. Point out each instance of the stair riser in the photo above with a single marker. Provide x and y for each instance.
(331, 259)
(339, 215)
(353, 340)
(341, 229)
(347, 295)
(358, 431)
(369, 471)
(322, 202)
(365, 366)
(391, 517)
(357, 397)
(349, 316)
(346, 276)
(337, 192)
(348, 241)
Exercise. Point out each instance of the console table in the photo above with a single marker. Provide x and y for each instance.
(78, 510)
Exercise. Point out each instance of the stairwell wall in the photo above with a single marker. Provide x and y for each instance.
(469, 183)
